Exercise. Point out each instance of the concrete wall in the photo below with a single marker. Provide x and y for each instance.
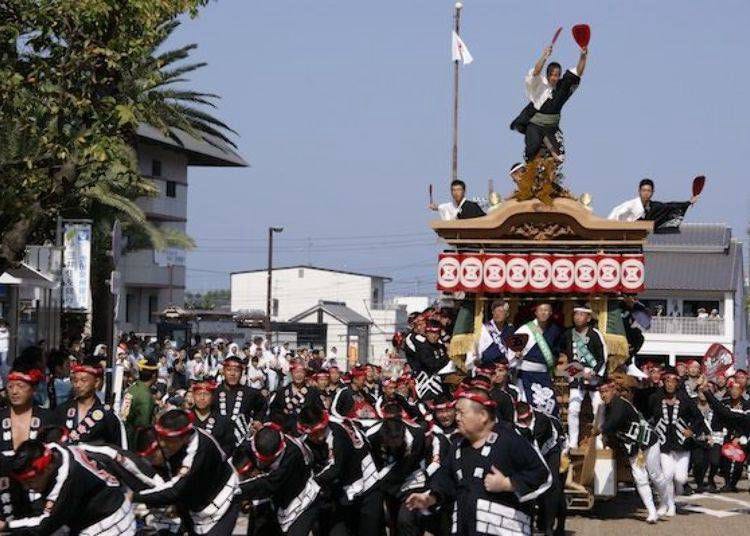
(299, 289)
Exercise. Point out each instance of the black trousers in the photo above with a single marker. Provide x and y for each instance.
(535, 140)
(551, 504)
(305, 523)
(705, 459)
(363, 517)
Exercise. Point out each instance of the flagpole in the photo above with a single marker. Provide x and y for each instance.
(454, 158)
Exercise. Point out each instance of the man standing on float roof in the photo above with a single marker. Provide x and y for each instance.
(539, 121)
(460, 208)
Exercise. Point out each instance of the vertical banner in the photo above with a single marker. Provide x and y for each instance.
(76, 267)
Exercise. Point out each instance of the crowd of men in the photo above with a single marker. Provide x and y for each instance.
(303, 447)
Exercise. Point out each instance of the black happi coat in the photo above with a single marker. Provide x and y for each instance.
(544, 432)
(288, 483)
(40, 418)
(596, 346)
(79, 495)
(562, 91)
(626, 428)
(287, 402)
(400, 473)
(203, 485)
(460, 480)
(670, 421)
(351, 404)
(343, 463)
(100, 424)
(220, 428)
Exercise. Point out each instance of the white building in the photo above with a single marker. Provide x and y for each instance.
(149, 283)
(299, 294)
(413, 304)
(699, 268)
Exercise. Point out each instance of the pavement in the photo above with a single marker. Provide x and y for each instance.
(704, 514)
(699, 515)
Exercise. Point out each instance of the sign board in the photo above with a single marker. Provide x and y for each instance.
(76, 266)
(540, 272)
(170, 257)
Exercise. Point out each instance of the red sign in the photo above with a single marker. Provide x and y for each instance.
(540, 272)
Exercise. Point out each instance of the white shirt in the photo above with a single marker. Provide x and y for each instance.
(628, 211)
(538, 88)
(256, 378)
(449, 211)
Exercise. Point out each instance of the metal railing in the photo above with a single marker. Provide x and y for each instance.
(686, 325)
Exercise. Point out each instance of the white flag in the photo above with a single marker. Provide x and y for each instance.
(460, 51)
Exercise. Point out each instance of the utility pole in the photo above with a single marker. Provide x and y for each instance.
(269, 277)
(456, 71)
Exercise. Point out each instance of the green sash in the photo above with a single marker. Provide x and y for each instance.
(541, 342)
(584, 354)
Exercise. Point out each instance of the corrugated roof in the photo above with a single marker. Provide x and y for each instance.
(309, 267)
(708, 237)
(199, 151)
(337, 310)
(694, 270)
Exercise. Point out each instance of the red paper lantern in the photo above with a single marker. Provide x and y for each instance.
(585, 273)
(494, 273)
(517, 273)
(563, 272)
(607, 273)
(471, 272)
(449, 272)
(540, 272)
(633, 275)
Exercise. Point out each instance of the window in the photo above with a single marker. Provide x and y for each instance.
(156, 168)
(301, 273)
(275, 307)
(699, 308)
(153, 308)
(129, 307)
(657, 307)
(375, 297)
(171, 189)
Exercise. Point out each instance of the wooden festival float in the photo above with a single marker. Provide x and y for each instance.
(543, 242)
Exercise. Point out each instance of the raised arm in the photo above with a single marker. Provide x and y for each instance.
(582, 61)
(542, 60)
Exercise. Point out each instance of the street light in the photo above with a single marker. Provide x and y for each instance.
(271, 230)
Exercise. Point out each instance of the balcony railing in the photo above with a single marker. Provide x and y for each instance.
(665, 325)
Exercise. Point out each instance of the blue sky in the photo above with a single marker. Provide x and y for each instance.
(343, 110)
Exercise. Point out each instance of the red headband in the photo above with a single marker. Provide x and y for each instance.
(670, 375)
(37, 466)
(296, 365)
(167, 432)
(232, 363)
(479, 399)
(209, 387)
(481, 384)
(607, 385)
(444, 405)
(311, 429)
(246, 468)
(149, 450)
(32, 377)
(526, 414)
(388, 381)
(263, 458)
(94, 371)
(358, 372)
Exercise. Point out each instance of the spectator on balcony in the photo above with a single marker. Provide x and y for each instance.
(714, 315)
(659, 310)
(702, 314)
